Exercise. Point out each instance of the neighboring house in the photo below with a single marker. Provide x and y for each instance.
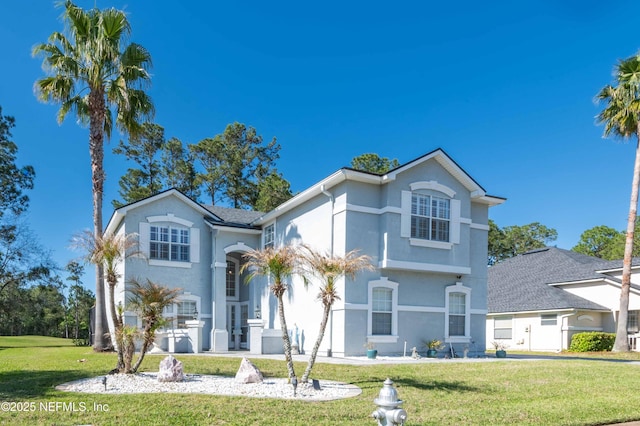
(424, 224)
(538, 300)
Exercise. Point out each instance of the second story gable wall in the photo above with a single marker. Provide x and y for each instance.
(174, 240)
(443, 239)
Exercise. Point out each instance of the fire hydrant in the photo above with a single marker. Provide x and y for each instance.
(389, 411)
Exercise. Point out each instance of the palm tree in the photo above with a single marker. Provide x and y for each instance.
(329, 268)
(109, 251)
(621, 117)
(149, 300)
(278, 264)
(91, 72)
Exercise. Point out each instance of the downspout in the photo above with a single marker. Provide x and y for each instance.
(330, 195)
(332, 200)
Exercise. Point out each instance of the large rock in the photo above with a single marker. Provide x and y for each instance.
(170, 370)
(248, 373)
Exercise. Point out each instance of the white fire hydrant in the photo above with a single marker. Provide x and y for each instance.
(389, 411)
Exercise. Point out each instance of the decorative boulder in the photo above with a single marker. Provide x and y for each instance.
(248, 373)
(170, 370)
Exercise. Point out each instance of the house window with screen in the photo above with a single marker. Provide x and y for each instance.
(551, 319)
(502, 328)
(632, 322)
(269, 236)
(167, 243)
(430, 217)
(457, 314)
(232, 280)
(381, 314)
(186, 312)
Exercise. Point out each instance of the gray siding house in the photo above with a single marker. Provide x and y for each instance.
(424, 224)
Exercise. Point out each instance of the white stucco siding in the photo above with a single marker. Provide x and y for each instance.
(530, 334)
(602, 293)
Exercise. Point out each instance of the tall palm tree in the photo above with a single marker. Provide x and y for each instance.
(109, 251)
(278, 264)
(149, 300)
(328, 269)
(92, 72)
(621, 117)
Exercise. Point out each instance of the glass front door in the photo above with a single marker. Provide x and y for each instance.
(237, 326)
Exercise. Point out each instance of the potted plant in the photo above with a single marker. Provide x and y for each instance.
(501, 348)
(433, 346)
(372, 352)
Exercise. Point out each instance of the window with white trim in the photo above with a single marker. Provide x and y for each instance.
(232, 279)
(269, 236)
(186, 312)
(381, 311)
(430, 217)
(502, 327)
(549, 319)
(457, 314)
(382, 321)
(632, 322)
(169, 243)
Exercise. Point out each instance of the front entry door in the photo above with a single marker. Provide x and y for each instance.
(237, 326)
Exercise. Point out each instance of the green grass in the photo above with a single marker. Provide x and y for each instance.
(584, 391)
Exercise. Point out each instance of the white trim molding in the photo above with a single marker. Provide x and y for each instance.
(420, 266)
(393, 286)
(458, 288)
(433, 185)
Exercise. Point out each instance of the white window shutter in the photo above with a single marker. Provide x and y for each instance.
(405, 216)
(195, 245)
(144, 237)
(455, 221)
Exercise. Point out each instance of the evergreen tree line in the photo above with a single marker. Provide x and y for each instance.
(235, 168)
(33, 297)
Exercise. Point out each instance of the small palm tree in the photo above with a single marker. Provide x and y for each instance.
(328, 268)
(149, 300)
(91, 72)
(621, 117)
(278, 264)
(108, 252)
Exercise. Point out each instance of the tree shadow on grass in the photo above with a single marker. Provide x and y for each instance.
(441, 385)
(25, 384)
(399, 383)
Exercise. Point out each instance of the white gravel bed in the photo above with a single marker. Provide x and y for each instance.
(217, 385)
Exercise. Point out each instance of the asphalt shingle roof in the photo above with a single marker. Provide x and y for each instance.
(234, 216)
(522, 283)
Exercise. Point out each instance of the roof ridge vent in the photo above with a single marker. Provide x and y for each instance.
(540, 250)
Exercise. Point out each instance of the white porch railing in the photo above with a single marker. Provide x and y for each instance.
(633, 342)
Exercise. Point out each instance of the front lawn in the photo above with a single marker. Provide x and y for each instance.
(586, 391)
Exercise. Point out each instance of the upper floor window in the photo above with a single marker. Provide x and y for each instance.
(269, 236)
(430, 217)
(167, 243)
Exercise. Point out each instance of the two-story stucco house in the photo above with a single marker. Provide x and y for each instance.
(424, 224)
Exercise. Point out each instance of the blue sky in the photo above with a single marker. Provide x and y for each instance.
(505, 88)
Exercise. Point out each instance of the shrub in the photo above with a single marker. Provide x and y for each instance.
(594, 341)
